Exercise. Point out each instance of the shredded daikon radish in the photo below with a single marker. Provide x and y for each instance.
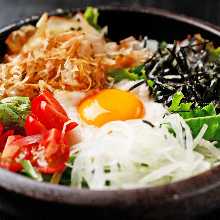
(133, 154)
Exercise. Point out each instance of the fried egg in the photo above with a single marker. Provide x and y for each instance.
(115, 104)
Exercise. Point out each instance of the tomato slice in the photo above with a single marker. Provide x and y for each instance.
(10, 164)
(33, 126)
(48, 98)
(16, 146)
(47, 110)
(11, 149)
(49, 116)
(56, 152)
(7, 159)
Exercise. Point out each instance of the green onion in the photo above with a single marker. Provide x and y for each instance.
(29, 170)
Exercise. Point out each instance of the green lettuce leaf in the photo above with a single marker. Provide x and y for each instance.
(197, 117)
(132, 74)
(186, 110)
(213, 131)
(14, 110)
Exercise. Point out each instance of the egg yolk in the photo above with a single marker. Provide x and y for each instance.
(110, 105)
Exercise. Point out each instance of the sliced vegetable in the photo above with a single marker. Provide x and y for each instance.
(33, 126)
(197, 117)
(18, 148)
(29, 170)
(56, 152)
(10, 164)
(47, 110)
(49, 98)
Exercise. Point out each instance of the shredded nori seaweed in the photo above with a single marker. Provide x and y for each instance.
(187, 69)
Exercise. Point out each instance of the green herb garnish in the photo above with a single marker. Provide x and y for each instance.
(132, 74)
(91, 15)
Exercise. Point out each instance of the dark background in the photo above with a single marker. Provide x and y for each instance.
(11, 10)
(209, 10)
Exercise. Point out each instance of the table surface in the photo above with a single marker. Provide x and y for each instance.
(12, 10)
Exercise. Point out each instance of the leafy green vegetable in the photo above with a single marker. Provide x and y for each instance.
(185, 109)
(150, 83)
(198, 111)
(214, 53)
(29, 170)
(138, 70)
(132, 74)
(14, 110)
(175, 105)
(163, 45)
(197, 117)
(91, 15)
(119, 75)
(213, 131)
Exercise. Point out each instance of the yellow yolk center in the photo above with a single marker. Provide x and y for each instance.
(110, 105)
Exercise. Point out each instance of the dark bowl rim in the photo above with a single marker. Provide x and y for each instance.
(180, 190)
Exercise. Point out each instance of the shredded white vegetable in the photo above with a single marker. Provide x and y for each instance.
(133, 154)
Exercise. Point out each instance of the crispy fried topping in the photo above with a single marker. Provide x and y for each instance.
(63, 53)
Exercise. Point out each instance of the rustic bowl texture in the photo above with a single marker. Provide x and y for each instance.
(23, 197)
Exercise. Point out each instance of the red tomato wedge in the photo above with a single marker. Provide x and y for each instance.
(47, 110)
(49, 116)
(48, 98)
(15, 146)
(56, 152)
(7, 160)
(45, 145)
(33, 126)
(10, 164)
(10, 150)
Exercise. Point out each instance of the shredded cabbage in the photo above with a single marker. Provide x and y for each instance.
(133, 154)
